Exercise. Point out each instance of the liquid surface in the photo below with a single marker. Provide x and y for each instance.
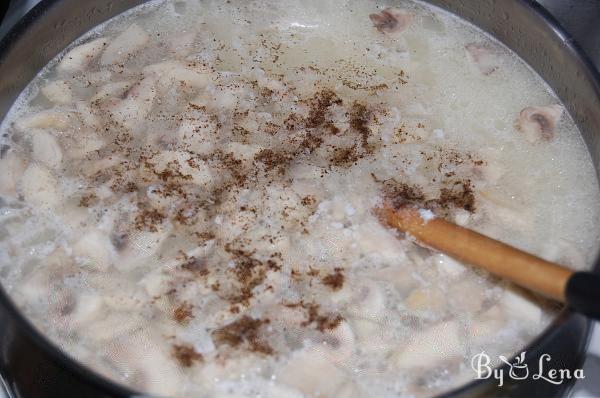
(187, 197)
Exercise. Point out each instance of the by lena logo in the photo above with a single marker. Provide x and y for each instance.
(518, 370)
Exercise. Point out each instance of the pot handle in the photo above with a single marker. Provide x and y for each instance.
(583, 293)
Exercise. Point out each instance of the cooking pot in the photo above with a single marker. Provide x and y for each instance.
(34, 367)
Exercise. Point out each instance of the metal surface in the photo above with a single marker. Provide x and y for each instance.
(579, 18)
(35, 368)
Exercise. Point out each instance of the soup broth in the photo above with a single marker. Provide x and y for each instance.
(188, 194)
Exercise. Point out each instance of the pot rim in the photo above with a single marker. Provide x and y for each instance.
(105, 384)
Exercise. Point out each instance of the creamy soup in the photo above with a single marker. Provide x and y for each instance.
(188, 194)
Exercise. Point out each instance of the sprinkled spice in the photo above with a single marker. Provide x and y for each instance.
(244, 332)
(186, 355)
(149, 219)
(88, 200)
(335, 280)
(308, 200)
(321, 322)
(359, 121)
(319, 106)
(183, 313)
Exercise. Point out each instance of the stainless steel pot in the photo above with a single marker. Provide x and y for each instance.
(33, 367)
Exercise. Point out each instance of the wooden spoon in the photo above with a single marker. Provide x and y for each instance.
(579, 290)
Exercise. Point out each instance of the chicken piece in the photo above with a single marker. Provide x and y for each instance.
(80, 57)
(58, 92)
(129, 42)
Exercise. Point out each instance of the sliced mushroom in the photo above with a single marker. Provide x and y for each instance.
(182, 44)
(39, 187)
(80, 57)
(338, 344)
(179, 164)
(58, 92)
(506, 209)
(374, 336)
(426, 301)
(431, 346)
(94, 250)
(143, 354)
(132, 111)
(47, 119)
(521, 307)
(170, 72)
(538, 123)
(46, 149)
(86, 115)
(141, 248)
(448, 266)
(391, 20)
(486, 325)
(129, 42)
(365, 300)
(197, 132)
(377, 240)
(88, 307)
(312, 374)
(13, 166)
(84, 144)
(112, 90)
(483, 57)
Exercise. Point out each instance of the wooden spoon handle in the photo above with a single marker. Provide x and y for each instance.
(470, 247)
(579, 290)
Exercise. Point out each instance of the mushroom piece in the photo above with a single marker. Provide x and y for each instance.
(143, 356)
(537, 123)
(87, 115)
(40, 188)
(338, 344)
(431, 346)
(181, 166)
(47, 119)
(486, 325)
(522, 307)
(313, 374)
(483, 57)
(182, 43)
(94, 250)
(172, 72)
(391, 20)
(365, 300)
(46, 149)
(112, 90)
(132, 111)
(13, 166)
(58, 92)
